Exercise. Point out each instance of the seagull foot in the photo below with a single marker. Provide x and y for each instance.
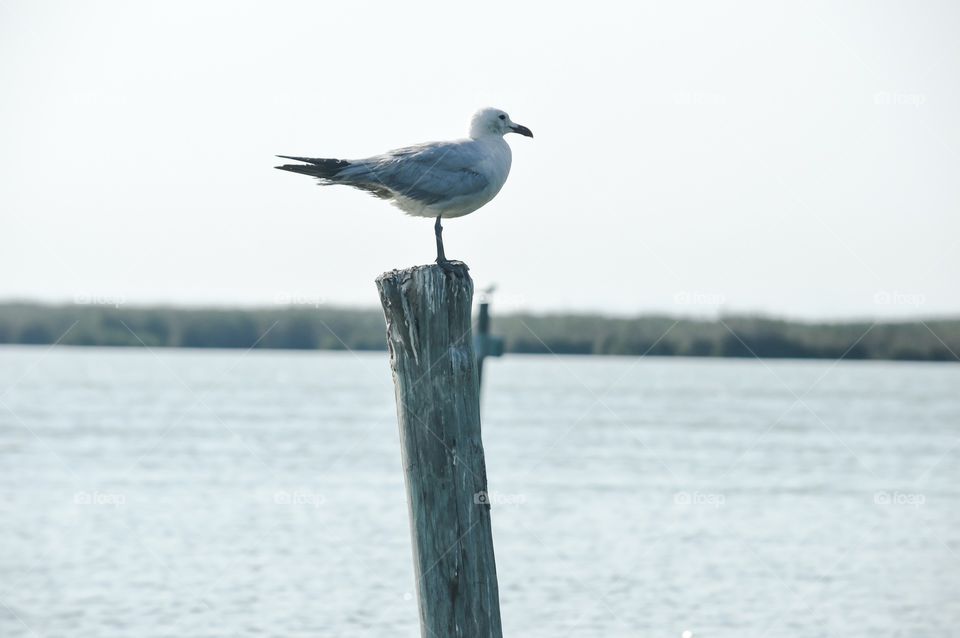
(453, 267)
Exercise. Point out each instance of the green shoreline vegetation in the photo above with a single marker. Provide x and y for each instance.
(332, 328)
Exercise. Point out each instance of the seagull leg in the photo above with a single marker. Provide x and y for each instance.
(438, 230)
(452, 267)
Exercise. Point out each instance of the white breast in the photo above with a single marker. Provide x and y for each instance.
(494, 165)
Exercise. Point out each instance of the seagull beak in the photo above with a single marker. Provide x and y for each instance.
(522, 130)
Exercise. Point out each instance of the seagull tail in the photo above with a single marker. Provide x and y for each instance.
(325, 169)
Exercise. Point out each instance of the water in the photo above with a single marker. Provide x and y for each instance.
(186, 493)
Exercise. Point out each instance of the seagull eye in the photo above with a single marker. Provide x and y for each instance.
(503, 117)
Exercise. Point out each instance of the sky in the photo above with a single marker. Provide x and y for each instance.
(791, 159)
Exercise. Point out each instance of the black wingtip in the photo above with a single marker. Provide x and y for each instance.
(323, 168)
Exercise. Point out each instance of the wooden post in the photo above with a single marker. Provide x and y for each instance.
(485, 344)
(483, 328)
(438, 408)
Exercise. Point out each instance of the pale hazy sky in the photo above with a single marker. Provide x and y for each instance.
(796, 159)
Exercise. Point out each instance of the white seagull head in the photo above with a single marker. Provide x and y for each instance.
(494, 122)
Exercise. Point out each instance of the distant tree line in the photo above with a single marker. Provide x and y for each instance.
(330, 328)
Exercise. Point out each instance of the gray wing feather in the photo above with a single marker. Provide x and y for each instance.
(428, 173)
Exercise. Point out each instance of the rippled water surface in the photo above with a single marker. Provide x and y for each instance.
(186, 493)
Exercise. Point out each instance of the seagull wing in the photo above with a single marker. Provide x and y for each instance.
(428, 173)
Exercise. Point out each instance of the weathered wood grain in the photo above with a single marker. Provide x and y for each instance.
(429, 339)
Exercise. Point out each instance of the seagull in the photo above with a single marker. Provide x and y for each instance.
(435, 179)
